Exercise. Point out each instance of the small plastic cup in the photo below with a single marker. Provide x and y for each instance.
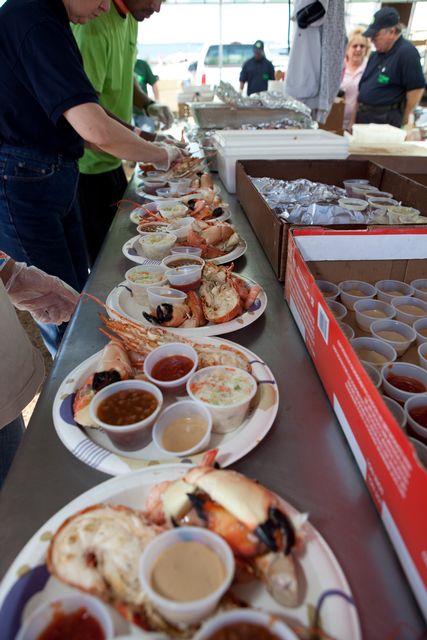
(182, 410)
(190, 251)
(420, 288)
(235, 617)
(337, 309)
(164, 295)
(348, 331)
(139, 289)
(383, 194)
(181, 227)
(134, 436)
(369, 310)
(373, 373)
(182, 260)
(406, 332)
(165, 192)
(385, 353)
(347, 289)
(169, 350)
(172, 209)
(420, 327)
(185, 278)
(139, 214)
(402, 215)
(416, 427)
(364, 191)
(226, 416)
(350, 184)
(420, 450)
(405, 315)
(152, 185)
(157, 246)
(396, 409)
(185, 613)
(45, 614)
(328, 289)
(389, 289)
(381, 203)
(152, 227)
(422, 355)
(354, 204)
(403, 370)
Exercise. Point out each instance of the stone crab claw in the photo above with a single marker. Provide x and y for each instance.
(247, 515)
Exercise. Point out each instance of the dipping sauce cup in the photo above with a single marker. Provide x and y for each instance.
(373, 351)
(368, 310)
(329, 289)
(389, 289)
(226, 392)
(416, 413)
(409, 309)
(422, 355)
(171, 365)
(337, 309)
(164, 566)
(373, 373)
(87, 614)
(397, 411)
(420, 327)
(353, 290)
(186, 278)
(183, 429)
(139, 278)
(250, 618)
(348, 331)
(133, 435)
(420, 288)
(397, 334)
(420, 450)
(164, 295)
(402, 380)
(156, 246)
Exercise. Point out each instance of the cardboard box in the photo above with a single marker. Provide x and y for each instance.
(411, 166)
(394, 477)
(272, 232)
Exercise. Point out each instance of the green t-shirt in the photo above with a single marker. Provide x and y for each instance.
(145, 74)
(108, 47)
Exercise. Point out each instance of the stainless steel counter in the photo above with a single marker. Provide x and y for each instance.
(304, 457)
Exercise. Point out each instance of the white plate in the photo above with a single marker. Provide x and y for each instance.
(27, 582)
(93, 447)
(120, 299)
(137, 219)
(133, 252)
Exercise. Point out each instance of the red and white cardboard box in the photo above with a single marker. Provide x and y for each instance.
(393, 474)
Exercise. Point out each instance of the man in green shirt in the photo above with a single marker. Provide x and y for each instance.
(108, 47)
(145, 76)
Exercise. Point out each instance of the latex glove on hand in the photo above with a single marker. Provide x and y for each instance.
(47, 298)
(167, 139)
(173, 155)
(162, 113)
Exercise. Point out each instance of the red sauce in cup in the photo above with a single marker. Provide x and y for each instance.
(78, 625)
(405, 383)
(171, 368)
(419, 414)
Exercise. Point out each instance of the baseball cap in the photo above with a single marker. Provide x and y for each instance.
(383, 19)
(259, 45)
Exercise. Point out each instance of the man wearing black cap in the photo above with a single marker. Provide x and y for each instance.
(393, 82)
(257, 71)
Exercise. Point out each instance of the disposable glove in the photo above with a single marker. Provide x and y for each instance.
(173, 154)
(162, 113)
(47, 298)
(167, 139)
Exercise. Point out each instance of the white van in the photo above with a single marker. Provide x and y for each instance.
(234, 55)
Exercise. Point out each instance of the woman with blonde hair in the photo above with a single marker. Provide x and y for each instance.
(356, 58)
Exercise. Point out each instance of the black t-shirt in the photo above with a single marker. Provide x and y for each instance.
(41, 76)
(388, 76)
(257, 73)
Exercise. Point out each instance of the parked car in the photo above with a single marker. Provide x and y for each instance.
(234, 54)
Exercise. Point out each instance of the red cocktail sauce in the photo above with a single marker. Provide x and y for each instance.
(419, 414)
(78, 625)
(171, 368)
(405, 383)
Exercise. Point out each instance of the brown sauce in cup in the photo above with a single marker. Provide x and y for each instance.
(419, 414)
(243, 631)
(126, 407)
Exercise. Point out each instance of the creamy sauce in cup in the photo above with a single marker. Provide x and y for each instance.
(184, 433)
(374, 313)
(393, 336)
(369, 355)
(423, 332)
(394, 293)
(187, 571)
(412, 309)
(355, 292)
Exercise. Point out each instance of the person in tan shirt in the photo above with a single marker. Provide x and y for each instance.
(49, 300)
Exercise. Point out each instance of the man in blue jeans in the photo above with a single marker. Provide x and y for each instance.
(48, 108)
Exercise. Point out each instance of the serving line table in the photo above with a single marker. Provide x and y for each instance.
(304, 458)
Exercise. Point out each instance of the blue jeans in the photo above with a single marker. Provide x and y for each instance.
(40, 219)
(10, 437)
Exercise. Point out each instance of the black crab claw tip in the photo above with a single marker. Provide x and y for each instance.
(282, 522)
(174, 522)
(264, 533)
(216, 465)
(198, 506)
